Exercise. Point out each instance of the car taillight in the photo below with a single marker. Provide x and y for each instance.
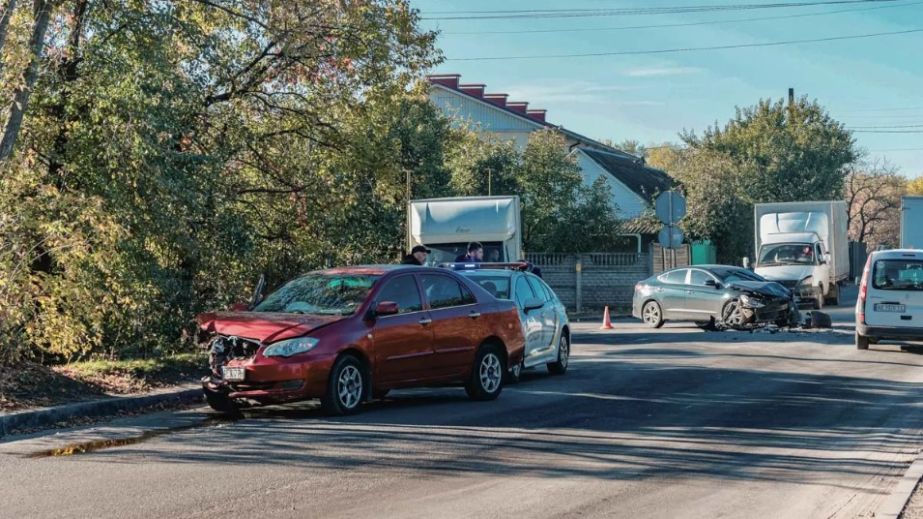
(863, 290)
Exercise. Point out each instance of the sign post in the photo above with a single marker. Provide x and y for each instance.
(670, 207)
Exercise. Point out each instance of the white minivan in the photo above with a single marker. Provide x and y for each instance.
(890, 304)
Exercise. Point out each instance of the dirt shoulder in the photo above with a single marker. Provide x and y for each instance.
(27, 385)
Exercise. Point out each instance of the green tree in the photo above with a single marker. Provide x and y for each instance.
(769, 152)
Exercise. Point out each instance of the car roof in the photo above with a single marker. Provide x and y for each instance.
(899, 253)
(368, 270)
(709, 267)
(489, 272)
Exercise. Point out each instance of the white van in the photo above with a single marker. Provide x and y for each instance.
(890, 304)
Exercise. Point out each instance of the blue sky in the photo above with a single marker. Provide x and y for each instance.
(874, 83)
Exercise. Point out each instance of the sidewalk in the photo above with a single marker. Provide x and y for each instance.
(49, 416)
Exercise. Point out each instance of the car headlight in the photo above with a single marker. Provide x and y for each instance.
(290, 347)
(808, 281)
(750, 302)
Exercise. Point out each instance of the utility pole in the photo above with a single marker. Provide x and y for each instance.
(489, 182)
(791, 97)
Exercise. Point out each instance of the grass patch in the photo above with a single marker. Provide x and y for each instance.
(136, 375)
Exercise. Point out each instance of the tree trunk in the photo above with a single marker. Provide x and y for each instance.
(20, 102)
(5, 26)
(68, 73)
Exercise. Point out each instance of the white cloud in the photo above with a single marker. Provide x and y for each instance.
(663, 71)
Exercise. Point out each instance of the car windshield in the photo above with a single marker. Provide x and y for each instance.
(787, 254)
(447, 252)
(497, 285)
(898, 275)
(731, 275)
(320, 294)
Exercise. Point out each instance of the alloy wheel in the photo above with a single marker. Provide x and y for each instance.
(651, 314)
(349, 387)
(490, 372)
(563, 351)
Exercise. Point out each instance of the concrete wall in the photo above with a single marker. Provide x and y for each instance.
(588, 282)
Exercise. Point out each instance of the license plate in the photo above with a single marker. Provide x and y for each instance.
(232, 374)
(890, 308)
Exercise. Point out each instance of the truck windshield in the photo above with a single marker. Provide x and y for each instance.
(898, 275)
(319, 294)
(447, 252)
(787, 254)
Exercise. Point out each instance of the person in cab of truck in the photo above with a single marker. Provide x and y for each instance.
(475, 254)
(417, 256)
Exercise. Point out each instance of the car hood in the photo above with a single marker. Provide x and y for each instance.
(766, 288)
(786, 272)
(265, 327)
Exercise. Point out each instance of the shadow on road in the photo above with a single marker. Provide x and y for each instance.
(612, 420)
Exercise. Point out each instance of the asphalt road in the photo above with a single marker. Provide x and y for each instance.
(667, 423)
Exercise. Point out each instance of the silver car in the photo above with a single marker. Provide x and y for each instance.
(543, 317)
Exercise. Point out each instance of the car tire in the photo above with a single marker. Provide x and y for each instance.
(559, 367)
(652, 314)
(487, 374)
(346, 387)
(862, 342)
(221, 403)
(514, 374)
(834, 299)
(732, 315)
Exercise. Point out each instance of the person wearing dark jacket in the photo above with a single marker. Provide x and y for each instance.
(475, 254)
(417, 256)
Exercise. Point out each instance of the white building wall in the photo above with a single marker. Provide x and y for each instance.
(629, 204)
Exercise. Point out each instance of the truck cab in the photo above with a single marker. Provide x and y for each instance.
(800, 262)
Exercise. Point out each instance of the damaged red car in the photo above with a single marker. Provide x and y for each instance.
(349, 335)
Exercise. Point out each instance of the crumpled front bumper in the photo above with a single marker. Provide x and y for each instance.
(271, 383)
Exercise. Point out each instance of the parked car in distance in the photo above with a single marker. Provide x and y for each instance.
(713, 295)
(543, 317)
(890, 304)
(350, 334)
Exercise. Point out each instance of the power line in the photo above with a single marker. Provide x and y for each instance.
(886, 127)
(628, 11)
(895, 149)
(685, 24)
(688, 49)
(887, 131)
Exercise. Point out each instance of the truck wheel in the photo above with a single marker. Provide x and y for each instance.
(834, 299)
(862, 342)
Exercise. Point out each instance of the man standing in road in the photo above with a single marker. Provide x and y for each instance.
(475, 254)
(417, 256)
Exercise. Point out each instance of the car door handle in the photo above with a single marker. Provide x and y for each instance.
(474, 315)
(425, 321)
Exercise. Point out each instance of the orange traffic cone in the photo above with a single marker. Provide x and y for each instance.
(607, 322)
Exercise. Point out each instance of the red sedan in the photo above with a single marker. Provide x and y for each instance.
(351, 334)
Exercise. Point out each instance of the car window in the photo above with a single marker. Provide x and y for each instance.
(523, 291)
(443, 292)
(551, 295)
(538, 289)
(497, 286)
(897, 274)
(403, 291)
(699, 278)
(675, 277)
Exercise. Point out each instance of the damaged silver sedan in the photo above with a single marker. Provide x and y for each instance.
(713, 296)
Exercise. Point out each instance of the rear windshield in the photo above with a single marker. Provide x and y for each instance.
(498, 286)
(898, 274)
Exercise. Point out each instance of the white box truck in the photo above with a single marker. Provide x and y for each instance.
(447, 225)
(803, 245)
(911, 211)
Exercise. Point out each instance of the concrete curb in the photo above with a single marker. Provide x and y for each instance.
(894, 505)
(47, 416)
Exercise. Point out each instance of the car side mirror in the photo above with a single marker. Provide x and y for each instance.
(387, 308)
(239, 307)
(533, 304)
(712, 283)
